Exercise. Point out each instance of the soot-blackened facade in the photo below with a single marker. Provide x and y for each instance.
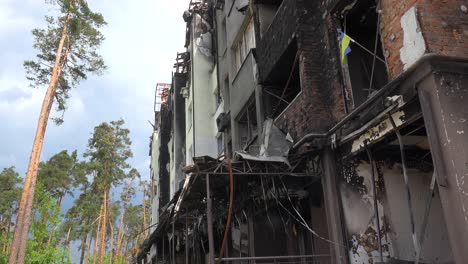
(313, 154)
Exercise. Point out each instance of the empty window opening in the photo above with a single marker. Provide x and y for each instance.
(247, 125)
(367, 70)
(283, 84)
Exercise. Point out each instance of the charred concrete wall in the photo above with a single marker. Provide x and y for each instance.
(413, 28)
(179, 81)
(359, 214)
(320, 102)
(164, 154)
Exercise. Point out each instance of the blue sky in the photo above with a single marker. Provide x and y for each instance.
(142, 39)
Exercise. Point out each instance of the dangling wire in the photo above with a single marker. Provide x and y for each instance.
(375, 48)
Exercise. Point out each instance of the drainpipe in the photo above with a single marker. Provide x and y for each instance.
(192, 80)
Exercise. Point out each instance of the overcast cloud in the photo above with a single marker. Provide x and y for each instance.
(142, 39)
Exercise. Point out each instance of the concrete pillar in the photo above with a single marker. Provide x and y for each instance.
(444, 103)
(333, 209)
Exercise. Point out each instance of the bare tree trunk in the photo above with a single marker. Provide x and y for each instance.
(102, 249)
(7, 241)
(67, 242)
(95, 249)
(84, 239)
(88, 248)
(23, 218)
(111, 243)
(124, 207)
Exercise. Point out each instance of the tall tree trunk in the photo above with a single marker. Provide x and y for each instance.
(102, 249)
(120, 232)
(111, 243)
(7, 241)
(23, 218)
(84, 237)
(88, 247)
(67, 242)
(96, 241)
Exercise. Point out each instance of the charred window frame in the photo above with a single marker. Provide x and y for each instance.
(284, 83)
(364, 68)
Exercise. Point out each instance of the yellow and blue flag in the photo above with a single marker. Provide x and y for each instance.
(344, 43)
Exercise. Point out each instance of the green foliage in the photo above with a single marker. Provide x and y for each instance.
(9, 190)
(82, 214)
(134, 222)
(80, 53)
(61, 173)
(46, 215)
(108, 151)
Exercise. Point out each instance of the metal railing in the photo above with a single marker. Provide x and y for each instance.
(302, 259)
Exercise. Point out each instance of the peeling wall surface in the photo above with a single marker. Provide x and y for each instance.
(357, 200)
(378, 132)
(414, 45)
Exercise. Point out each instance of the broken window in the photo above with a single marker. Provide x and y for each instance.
(363, 64)
(247, 125)
(283, 84)
(245, 43)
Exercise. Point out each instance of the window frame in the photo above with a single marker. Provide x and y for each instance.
(245, 43)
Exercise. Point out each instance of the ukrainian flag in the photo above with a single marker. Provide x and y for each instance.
(345, 49)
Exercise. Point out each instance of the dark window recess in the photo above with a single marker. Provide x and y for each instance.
(283, 84)
(366, 74)
(223, 121)
(247, 125)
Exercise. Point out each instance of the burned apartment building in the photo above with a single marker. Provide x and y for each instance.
(303, 131)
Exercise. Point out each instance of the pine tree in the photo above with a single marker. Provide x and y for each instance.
(68, 51)
(108, 150)
(126, 196)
